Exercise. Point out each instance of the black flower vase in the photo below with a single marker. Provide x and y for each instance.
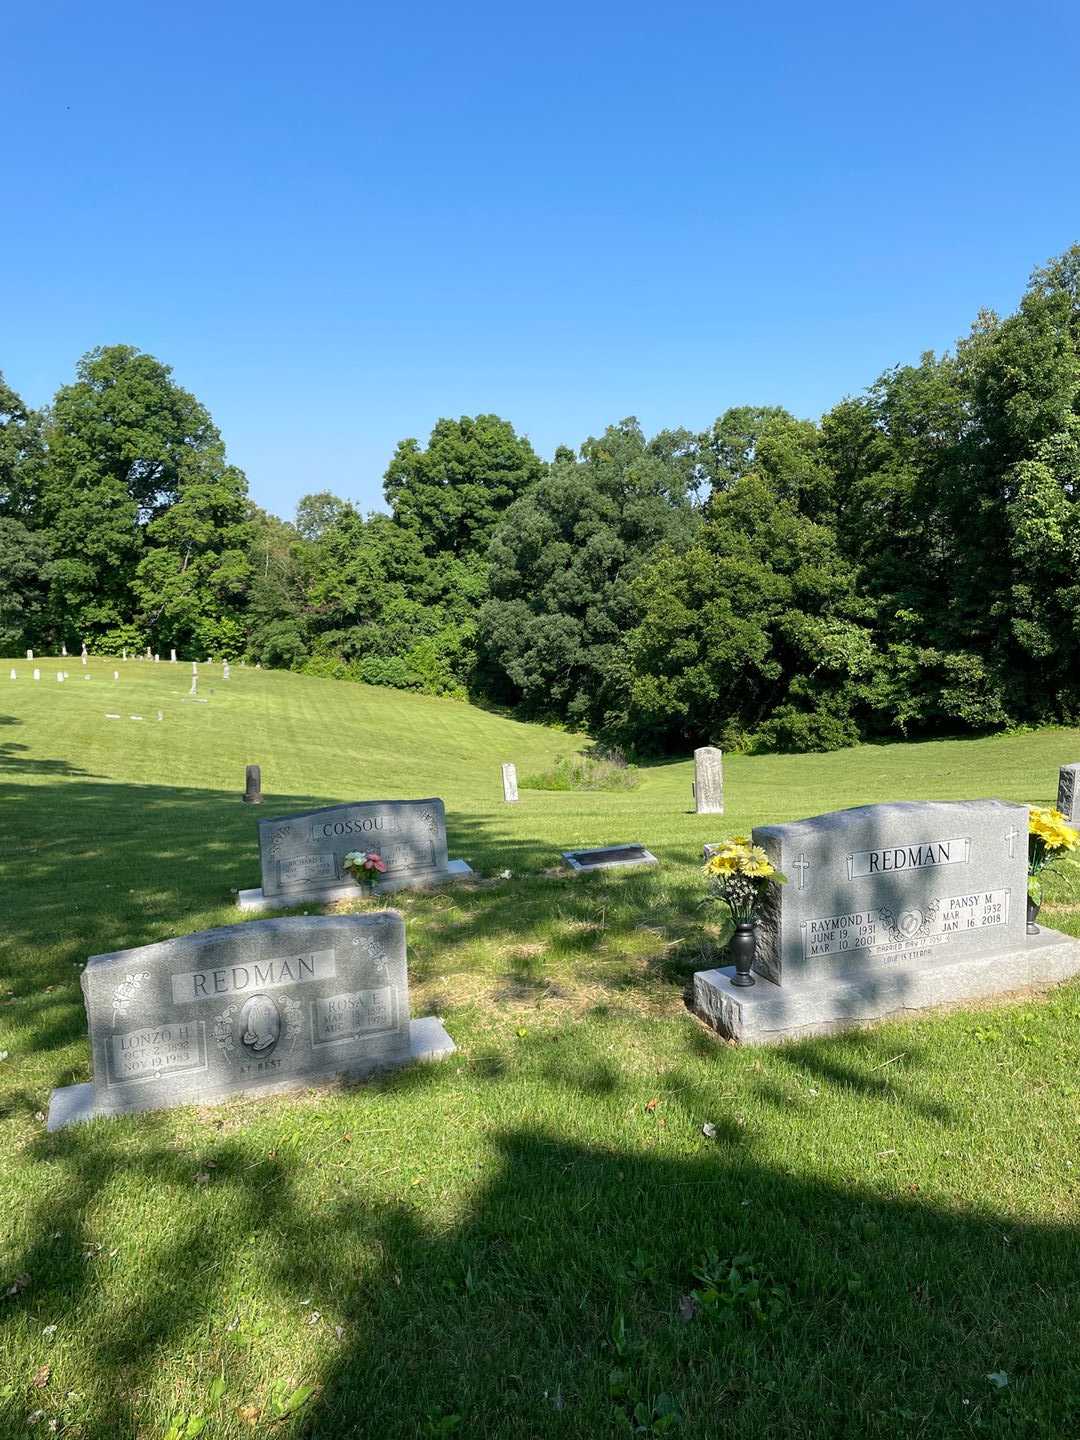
(743, 947)
(1032, 916)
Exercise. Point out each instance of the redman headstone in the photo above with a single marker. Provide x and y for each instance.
(887, 908)
(302, 855)
(253, 1008)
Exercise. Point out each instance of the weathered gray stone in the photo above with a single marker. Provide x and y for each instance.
(253, 785)
(768, 1013)
(251, 1008)
(885, 904)
(1068, 796)
(510, 785)
(709, 780)
(301, 855)
(611, 857)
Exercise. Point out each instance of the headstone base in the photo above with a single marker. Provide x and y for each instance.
(766, 1013)
(415, 880)
(428, 1040)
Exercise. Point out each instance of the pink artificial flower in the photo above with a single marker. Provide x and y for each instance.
(374, 861)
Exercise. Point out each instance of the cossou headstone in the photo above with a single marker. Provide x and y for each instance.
(252, 785)
(709, 780)
(301, 855)
(510, 785)
(1068, 796)
(254, 1008)
(887, 908)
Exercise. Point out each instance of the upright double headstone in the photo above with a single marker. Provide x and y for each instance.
(709, 780)
(302, 856)
(255, 1008)
(887, 907)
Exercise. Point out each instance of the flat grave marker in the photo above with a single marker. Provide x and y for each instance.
(609, 857)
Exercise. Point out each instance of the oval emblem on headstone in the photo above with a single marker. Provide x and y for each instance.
(260, 1025)
(910, 922)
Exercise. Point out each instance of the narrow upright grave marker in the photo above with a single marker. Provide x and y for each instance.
(148, 652)
(252, 785)
(13, 675)
(63, 650)
(612, 857)
(887, 908)
(59, 676)
(116, 674)
(709, 780)
(29, 654)
(172, 656)
(225, 671)
(194, 685)
(302, 855)
(247, 1009)
(1068, 796)
(510, 785)
(125, 652)
(157, 659)
(37, 674)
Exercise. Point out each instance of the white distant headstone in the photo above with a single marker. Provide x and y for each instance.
(709, 780)
(29, 654)
(59, 676)
(172, 656)
(13, 675)
(194, 685)
(63, 649)
(37, 674)
(160, 716)
(116, 674)
(83, 657)
(225, 671)
(84, 650)
(125, 652)
(148, 652)
(194, 668)
(157, 659)
(509, 779)
(258, 665)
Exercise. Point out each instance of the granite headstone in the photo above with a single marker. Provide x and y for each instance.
(510, 784)
(1068, 796)
(887, 907)
(257, 1007)
(301, 855)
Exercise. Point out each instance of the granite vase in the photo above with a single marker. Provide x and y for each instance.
(743, 948)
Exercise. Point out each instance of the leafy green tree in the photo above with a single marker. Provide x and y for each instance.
(452, 494)
(122, 442)
(562, 569)
(754, 635)
(25, 574)
(21, 454)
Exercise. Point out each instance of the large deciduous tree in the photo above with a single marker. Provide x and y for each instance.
(452, 494)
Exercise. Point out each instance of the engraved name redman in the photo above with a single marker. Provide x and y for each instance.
(257, 975)
(909, 857)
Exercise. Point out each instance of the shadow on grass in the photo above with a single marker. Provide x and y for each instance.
(567, 1264)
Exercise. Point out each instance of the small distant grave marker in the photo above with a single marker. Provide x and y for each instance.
(1068, 796)
(510, 784)
(253, 785)
(611, 857)
(256, 1008)
(709, 780)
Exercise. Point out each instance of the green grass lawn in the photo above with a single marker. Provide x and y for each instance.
(534, 1238)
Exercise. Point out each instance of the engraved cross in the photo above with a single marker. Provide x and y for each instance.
(1010, 836)
(802, 865)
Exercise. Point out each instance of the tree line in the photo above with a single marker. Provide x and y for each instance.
(908, 565)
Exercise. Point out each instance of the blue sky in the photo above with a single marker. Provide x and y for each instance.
(338, 222)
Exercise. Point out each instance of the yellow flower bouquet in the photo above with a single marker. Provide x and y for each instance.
(739, 874)
(1050, 839)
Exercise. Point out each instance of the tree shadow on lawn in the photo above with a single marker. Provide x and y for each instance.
(568, 1263)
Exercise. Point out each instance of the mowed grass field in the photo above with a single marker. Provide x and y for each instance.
(536, 1237)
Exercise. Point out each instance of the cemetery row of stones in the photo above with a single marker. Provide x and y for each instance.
(890, 907)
